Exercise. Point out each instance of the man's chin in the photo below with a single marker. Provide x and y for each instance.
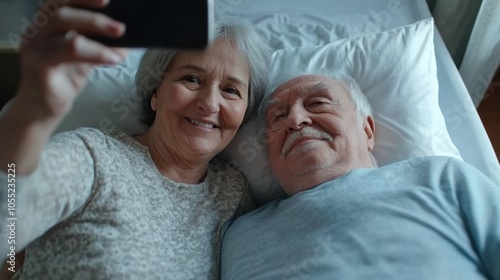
(304, 176)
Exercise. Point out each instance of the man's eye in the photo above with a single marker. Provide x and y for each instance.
(317, 103)
(278, 117)
(277, 121)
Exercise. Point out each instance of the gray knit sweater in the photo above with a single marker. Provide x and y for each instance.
(98, 208)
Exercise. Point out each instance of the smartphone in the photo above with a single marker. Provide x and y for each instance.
(178, 24)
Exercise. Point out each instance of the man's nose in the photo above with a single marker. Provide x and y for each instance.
(209, 99)
(298, 117)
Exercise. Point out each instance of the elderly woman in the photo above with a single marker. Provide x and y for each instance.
(96, 204)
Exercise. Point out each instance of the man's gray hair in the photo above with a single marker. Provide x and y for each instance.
(358, 99)
(247, 41)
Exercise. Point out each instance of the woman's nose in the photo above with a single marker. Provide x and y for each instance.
(209, 100)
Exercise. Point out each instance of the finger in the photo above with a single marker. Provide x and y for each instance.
(121, 51)
(85, 3)
(86, 22)
(78, 48)
(83, 69)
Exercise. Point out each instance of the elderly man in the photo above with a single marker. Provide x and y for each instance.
(344, 217)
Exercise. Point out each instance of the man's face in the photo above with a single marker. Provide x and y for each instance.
(314, 133)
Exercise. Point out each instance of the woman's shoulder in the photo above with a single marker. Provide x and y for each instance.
(225, 173)
(85, 132)
(232, 183)
(96, 139)
(222, 166)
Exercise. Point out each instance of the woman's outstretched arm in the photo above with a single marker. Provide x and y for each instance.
(55, 65)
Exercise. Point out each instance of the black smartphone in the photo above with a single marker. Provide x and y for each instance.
(179, 24)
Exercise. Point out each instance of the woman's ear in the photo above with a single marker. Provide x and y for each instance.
(154, 101)
(369, 128)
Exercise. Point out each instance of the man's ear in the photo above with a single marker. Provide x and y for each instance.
(154, 101)
(369, 128)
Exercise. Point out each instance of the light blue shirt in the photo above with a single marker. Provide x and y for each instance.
(427, 218)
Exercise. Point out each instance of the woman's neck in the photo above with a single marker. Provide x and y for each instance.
(172, 165)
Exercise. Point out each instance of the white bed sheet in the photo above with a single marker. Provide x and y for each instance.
(351, 18)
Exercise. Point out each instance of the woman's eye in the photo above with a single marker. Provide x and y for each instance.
(191, 79)
(232, 90)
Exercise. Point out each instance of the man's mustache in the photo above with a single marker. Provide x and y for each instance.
(307, 131)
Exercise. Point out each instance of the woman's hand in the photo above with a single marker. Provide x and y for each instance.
(55, 65)
(56, 62)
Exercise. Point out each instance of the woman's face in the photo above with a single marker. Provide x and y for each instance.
(202, 100)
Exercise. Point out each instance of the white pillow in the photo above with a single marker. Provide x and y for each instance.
(110, 100)
(395, 69)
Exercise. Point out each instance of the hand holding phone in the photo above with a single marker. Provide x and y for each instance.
(181, 24)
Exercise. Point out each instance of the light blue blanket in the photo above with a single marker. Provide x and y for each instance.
(428, 218)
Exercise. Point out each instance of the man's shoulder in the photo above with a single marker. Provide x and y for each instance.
(264, 216)
(428, 162)
(428, 171)
(436, 172)
(438, 160)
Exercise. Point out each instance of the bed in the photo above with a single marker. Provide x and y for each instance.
(454, 129)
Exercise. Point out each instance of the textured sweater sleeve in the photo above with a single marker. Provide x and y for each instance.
(60, 185)
(246, 203)
(479, 201)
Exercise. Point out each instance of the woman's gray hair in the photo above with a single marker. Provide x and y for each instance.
(247, 41)
(358, 99)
